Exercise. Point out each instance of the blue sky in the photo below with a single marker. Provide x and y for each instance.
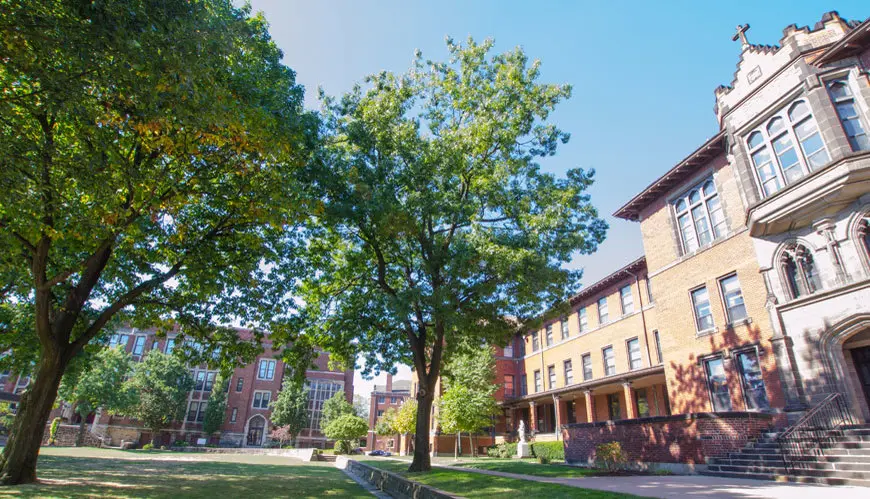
(643, 72)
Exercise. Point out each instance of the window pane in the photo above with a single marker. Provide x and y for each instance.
(788, 158)
(839, 90)
(564, 326)
(584, 323)
(703, 315)
(755, 140)
(766, 171)
(642, 403)
(709, 188)
(717, 216)
(775, 126)
(694, 197)
(549, 334)
(734, 307)
(609, 361)
(811, 143)
(702, 225)
(718, 385)
(587, 367)
(551, 375)
(569, 373)
(634, 358)
(627, 300)
(602, 311)
(798, 110)
(687, 233)
(681, 206)
(752, 381)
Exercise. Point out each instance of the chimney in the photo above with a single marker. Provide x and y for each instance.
(389, 387)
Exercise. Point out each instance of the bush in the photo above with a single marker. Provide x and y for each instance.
(52, 432)
(288, 445)
(543, 460)
(503, 450)
(342, 447)
(492, 451)
(552, 451)
(148, 446)
(610, 456)
(272, 444)
(180, 443)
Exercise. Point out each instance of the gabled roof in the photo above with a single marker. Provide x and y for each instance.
(855, 41)
(629, 270)
(684, 169)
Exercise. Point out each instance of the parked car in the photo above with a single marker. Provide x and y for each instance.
(376, 453)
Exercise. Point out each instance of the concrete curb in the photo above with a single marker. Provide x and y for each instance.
(392, 484)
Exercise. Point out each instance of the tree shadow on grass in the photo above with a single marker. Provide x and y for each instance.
(77, 477)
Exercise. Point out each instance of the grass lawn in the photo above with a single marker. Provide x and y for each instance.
(79, 473)
(527, 467)
(475, 485)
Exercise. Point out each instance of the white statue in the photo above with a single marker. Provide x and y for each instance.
(522, 431)
(523, 447)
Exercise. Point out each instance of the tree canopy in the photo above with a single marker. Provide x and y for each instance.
(406, 417)
(216, 410)
(345, 429)
(335, 407)
(438, 224)
(161, 383)
(290, 408)
(148, 160)
(385, 424)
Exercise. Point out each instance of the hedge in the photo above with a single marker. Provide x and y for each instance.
(554, 451)
(504, 450)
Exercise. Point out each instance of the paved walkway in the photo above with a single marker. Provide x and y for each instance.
(696, 486)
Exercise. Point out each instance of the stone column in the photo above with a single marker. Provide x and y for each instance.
(628, 393)
(533, 418)
(825, 228)
(558, 413)
(590, 406)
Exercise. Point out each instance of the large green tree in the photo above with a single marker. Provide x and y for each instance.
(99, 383)
(335, 407)
(161, 384)
(437, 221)
(290, 409)
(216, 410)
(346, 430)
(468, 403)
(148, 151)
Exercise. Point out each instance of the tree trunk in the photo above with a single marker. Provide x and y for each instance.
(459, 439)
(473, 448)
(18, 462)
(421, 460)
(456, 450)
(80, 438)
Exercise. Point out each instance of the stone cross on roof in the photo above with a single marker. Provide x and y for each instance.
(741, 35)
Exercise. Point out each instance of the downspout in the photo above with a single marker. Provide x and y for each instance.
(642, 317)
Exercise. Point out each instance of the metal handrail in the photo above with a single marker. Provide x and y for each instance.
(813, 431)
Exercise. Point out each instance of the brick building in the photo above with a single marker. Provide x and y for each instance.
(250, 390)
(752, 300)
(385, 397)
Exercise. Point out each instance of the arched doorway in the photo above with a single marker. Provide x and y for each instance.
(255, 432)
(846, 346)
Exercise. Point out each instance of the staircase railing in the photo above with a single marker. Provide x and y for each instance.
(816, 429)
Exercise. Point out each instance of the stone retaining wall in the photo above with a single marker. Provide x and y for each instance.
(66, 436)
(391, 483)
(686, 439)
(303, 454)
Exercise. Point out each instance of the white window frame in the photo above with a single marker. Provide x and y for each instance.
(136, 343)
(582, 320)
(549, 334)
(698, 328)
(234, 415)
(846, 81)
(725, 306)
(717, 230)
(604, 359)
(264, 394)
(603, 318)
(626, 304)
(584, 356)
(271, 365)
(767, 142)
(568, 366)
(631, 365)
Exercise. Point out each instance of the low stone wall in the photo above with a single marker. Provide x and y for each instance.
(681, 443)
(303, 454)
(391, 483)
(66, 436)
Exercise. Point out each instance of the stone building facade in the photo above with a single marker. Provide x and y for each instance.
(250, 390)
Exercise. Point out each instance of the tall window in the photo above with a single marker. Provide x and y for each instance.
(524, 385)
(118, 339)
(843, 99)
(239, 384)
(799, 271)
(234, 415)
(200, 416)
(319, 391)
(200, 381)
(658, 341)
(751, 380)
(536, 343)
(699, 216)
(191, 411)
(649, 294)
(509, 351)
(787, 147)
(549, 334)
(701, 304)
(586, 361)
(209, 381)
(613, 406)
(569, 372)
(626, 299)
(563, 324)
(262, 399)
(267, 369)
(609, 361)
(634, 358)
(602, 310)
(733, 296)
(642, 403)
(170, 345)
(551, 376)
(508, 385)
(717, 384)
(538, 382)
(584, 322)
(139, 345)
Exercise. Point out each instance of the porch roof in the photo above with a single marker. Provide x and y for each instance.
(615, 379)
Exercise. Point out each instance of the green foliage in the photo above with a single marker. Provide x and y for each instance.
(464, 410)
(346, 427)
(216, 410)
(335, 407)
(161, 383)
(361, 406)
(610, 455)
(551, 451)
(148, 446)
(385, 424)
(6, 416)
(52, 431)
(180, 443)
(98, 380)
(405, 421)
(472, 367)
(342, 447)
(438, 227)
(290, 409)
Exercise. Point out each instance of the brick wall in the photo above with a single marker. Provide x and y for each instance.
(687, 438)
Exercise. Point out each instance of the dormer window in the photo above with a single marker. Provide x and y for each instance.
(786, 148)
(699, 216)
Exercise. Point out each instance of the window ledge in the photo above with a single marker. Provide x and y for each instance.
(706, 332)
(741, 322)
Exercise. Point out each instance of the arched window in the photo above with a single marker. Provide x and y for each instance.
(864, 234)
(799, 271)
(786, 148)
(699, 216)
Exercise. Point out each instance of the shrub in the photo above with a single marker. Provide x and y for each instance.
(610, 456)
(272, 444)
(52, 432)
(148, 446)
(503, 450)
(552, 451)
(492, 451)
(543, 460)
(180, 443)
(342, 447)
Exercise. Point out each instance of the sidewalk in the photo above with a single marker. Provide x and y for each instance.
(697, 486)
